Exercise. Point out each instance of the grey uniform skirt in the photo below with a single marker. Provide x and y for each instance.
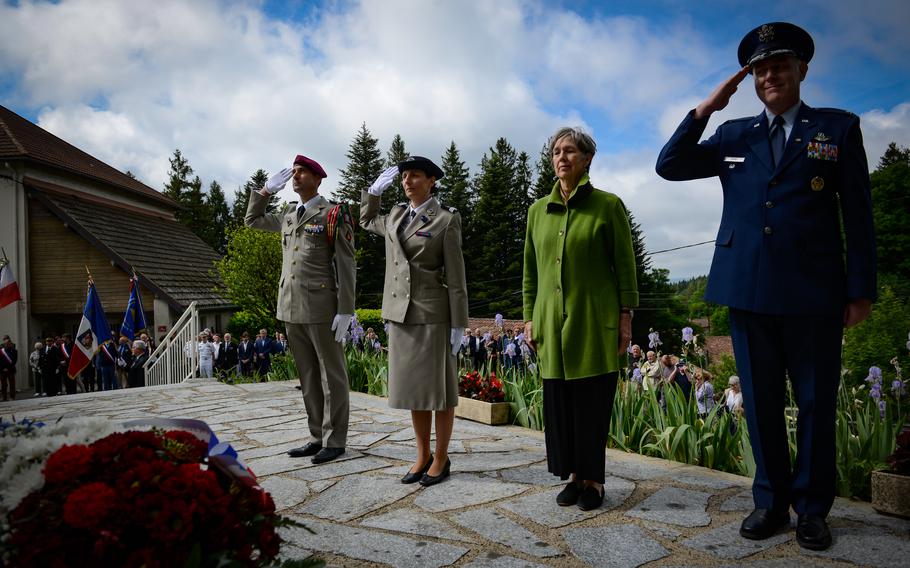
(422, 369)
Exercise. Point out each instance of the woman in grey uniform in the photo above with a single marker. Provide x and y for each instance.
(425, 301)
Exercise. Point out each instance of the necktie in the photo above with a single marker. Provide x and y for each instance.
(406, 221)
(778, 139)
(300, 211)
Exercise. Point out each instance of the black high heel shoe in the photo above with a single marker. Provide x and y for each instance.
(416, 476)
(428, 480)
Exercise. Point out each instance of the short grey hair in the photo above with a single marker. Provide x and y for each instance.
(734, 380)
(578, 136)
(138, 344)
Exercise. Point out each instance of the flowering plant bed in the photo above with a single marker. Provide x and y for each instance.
(481, 399)
(487, 389)
(169, 496)
(891, 489)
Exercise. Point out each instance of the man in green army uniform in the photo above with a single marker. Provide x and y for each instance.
(315, 297)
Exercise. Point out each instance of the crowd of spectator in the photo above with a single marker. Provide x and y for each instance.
(653, 372)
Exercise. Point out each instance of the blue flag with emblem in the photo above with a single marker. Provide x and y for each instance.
(134, 318)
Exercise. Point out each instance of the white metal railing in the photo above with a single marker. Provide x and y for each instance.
(172, 362)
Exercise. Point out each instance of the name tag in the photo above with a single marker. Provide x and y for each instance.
(735, 159)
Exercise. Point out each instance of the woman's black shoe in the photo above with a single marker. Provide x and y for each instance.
(590, 498)
(428, 480)
(569, 495)
(414, 477)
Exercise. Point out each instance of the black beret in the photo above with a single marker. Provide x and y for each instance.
(425, 165)
(776, 38)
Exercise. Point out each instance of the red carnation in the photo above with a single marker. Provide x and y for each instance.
(88, 505)
(69, 462)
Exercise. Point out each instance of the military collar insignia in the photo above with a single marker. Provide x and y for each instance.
(765, 33)
(424, 218)
(822, 137)
(290, 220)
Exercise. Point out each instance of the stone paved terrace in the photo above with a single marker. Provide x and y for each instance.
(498, 507)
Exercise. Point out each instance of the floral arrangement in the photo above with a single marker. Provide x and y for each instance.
(159, 497)
(487, 389)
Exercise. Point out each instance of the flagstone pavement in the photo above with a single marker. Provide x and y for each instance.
(498, 508)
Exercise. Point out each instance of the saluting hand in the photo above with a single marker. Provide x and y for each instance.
(721, 95)
(384, 180)
(278, 180)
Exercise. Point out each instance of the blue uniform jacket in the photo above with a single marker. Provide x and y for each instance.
(779, 248)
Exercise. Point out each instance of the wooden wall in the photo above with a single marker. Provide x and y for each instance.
(57, 279)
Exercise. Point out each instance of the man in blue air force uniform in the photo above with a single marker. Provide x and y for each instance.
(790, 176)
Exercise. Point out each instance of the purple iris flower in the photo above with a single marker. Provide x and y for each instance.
(687, 335)
(876, 391)
(897, 387)
(654, 340)
(875, 375)
(386, 327)
(881, 408)
(636, 375)
(498, 320)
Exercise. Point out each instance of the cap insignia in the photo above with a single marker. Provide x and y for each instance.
(765, 33)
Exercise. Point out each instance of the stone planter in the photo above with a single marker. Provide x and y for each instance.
(479, 411)
(891, 493)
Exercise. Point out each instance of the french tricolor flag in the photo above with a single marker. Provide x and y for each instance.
(9, 289)
(94, 331)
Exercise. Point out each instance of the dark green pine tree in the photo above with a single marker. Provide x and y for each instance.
(546, 176)
(221, 217)
(522, 197)
(455, 189)
(395, 193)
(242, 196)
(890, 211)
(495, 257)
(178, 181)
(364, 166)
(197, 216)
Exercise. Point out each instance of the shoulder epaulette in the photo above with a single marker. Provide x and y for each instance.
(743, 119)
(836, 111)
(402, 204)
(448, 208)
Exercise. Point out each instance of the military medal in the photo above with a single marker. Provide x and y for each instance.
(313, 229)
(820, 151)
(817, 183)
(822, 137)
(423, 234)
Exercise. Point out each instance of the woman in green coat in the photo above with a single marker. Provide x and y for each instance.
(579, 290)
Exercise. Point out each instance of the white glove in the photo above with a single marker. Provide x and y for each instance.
(457, 334)
(340, 326)
(384, 180)
(278, 180)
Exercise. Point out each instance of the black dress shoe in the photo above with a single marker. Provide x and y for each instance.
(590, 498)
(327, 455)
(812, 532)
(415, 476)
(569, 495)
(428, 480)
(764, 523)
(309, 449)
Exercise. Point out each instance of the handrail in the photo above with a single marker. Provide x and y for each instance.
(170, 363)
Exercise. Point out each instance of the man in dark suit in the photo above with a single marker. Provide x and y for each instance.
(136, 374)
(245, 354)
(263, 350)
(49, 364)
(66, 350)
(107, 363)
(790, 177)
(8, 359)
(230, 355)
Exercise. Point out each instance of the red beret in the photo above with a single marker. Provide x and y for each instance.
(311, 165)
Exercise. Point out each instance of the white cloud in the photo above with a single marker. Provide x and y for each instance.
(236, 90)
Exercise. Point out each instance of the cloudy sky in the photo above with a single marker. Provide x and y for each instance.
(239, 85)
